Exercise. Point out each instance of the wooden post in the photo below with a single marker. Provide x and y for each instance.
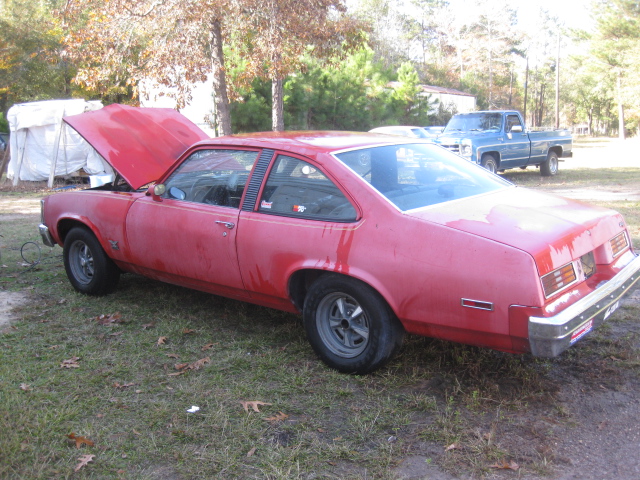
(21, 150)
(56, 148)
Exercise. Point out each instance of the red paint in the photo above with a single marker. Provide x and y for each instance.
(491, 249)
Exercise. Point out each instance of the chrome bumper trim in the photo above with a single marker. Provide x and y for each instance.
(47, 239)
(550, 336)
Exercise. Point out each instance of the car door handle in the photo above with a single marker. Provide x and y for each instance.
(229, 225)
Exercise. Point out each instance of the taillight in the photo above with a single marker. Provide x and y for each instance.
(619, 243)
(558, 279)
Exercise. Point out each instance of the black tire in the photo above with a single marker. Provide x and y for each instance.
(549, 167)
(88, 267)
(357, 344)
(489, 162)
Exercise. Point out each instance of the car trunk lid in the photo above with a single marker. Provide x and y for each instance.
(553, 229)
(141, 144)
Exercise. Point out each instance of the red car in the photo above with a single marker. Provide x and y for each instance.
(369, 236)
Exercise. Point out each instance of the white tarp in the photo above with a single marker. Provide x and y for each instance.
(39, 139)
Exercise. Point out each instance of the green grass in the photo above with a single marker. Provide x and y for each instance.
(319, 424)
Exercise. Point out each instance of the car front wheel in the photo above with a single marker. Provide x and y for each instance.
(88, 267)
(489, 162)
(350, 327)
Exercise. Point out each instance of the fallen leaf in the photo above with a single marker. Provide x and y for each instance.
(186, 331)
(453, 446)
(333, 464)
(124, 385)
(115, 334)
(176, 373)
(25, 387)
(251, 452)
(80, 440)
(70, 363)
(277, 418)
(148, 325)
(254, 404)
(208, 346)
(162, 340)
(197, 365)
(109, 319)
(173, 355)
(506, 466)
(84, 460)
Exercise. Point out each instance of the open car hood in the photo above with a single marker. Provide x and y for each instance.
(141, 144)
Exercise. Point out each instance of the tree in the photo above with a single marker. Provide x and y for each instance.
(615, 43)
(278, 33)
(120, 43)
(32, 63)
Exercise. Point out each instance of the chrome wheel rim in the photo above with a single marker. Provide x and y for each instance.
(81, 262)
(343, 325)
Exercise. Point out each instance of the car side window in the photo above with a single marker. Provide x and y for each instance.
(512, 121)
(296, 188)
(212, 176)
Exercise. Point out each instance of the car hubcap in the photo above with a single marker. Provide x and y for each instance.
(343, 325)
(81, 262)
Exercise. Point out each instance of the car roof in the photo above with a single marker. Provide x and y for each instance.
(307, 142)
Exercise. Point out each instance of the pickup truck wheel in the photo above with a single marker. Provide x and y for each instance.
(88, 267)
(349, 326)
(550, 166)
(489, 162)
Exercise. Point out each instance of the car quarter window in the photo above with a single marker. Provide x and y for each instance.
(298, 189)
(212, 176)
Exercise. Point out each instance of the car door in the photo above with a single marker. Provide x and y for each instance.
(301, 218)
(516, 145)
(187, 236)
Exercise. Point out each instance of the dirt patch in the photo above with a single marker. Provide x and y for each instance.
(9, 301)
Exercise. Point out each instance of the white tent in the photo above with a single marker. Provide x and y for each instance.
(43, 147)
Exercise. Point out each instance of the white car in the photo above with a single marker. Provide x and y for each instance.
(404, 131)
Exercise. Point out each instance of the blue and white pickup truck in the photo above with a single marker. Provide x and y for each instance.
(498, 140)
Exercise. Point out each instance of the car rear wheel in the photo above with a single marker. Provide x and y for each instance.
(550, 166)
(489, 162)
(88, 267)
(350, 327)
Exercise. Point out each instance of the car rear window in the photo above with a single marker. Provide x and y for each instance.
(418, 175)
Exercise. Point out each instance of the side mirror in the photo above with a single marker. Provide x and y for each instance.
(156, 191)
(516, 129)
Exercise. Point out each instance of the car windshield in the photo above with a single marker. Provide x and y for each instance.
(475, 122)
(417, 175)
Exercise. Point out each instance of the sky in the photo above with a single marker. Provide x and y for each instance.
(573, 13)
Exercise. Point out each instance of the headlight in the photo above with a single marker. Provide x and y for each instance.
(465, 148)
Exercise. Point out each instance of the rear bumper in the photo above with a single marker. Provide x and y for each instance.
(550, 336)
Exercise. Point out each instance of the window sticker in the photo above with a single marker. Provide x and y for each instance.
(265, 204)
(299, 208)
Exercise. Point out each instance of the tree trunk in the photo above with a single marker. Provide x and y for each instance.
(277, 105)
(221, 100)
(622, 134)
